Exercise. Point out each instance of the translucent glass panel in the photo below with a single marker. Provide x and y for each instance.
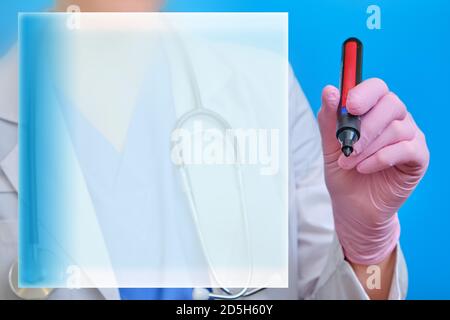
(153, 150)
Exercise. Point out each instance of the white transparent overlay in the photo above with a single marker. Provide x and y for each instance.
(175, 149)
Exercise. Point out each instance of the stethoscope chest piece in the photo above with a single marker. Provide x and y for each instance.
(26, 293)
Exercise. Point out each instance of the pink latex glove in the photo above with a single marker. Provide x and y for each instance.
(388, 162)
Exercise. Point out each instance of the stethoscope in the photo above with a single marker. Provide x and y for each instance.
(202, 293)
(200, 111)
(197, 293)
(25, 293)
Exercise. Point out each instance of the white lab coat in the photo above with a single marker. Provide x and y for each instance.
(317, 268)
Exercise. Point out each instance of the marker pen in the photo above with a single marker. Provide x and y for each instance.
(348, 125)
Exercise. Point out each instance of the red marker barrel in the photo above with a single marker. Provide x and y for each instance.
(348, 125)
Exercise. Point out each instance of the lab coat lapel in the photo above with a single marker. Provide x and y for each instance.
(8, 113)
(110, 293)
(9, 86)
(8, 142)
(10, 166)
(210, 71)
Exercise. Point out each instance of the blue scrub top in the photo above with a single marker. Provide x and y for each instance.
(145, 157)
(155, 293)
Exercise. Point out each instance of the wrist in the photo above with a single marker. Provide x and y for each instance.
(367, 243)
(376, 279)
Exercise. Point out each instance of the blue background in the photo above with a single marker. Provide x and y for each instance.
(411, 53)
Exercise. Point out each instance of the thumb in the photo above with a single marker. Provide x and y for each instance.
(327, 118)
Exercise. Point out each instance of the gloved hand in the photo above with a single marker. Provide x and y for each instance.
(388, 162)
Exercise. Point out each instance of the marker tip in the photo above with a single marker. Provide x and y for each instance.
(347, 150)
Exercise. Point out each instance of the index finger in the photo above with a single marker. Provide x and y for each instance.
(365, 95)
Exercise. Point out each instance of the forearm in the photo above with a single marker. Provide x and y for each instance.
(376, 279)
